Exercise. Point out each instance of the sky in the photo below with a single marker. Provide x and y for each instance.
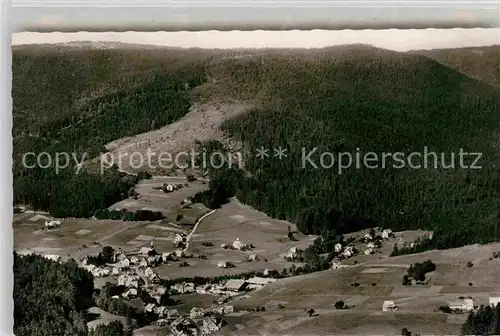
(125, 16)
(373, 12)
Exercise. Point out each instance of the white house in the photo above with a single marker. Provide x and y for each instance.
(161, 322)
(144, 251)
(336, 264)
(132, 292)
(196, 313)
(52, 224)
(149, 272)
(209, 325)
(223, 264)
(494, 301)
(292, 253)
(253, 257)
(237, 244)
(348, 252)
(259, 282)
(338, 247)
(115, 271)
(150, 307)
(389, 306)
(368, 251)
(143, 263)
(179, 238)
(386, 233)
(125, 263)
(179, 253)
(370, 245)
(169, 188)
(465, 305)
(134, 260)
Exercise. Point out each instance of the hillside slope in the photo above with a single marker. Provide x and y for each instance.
(352, 99)
(482, 63)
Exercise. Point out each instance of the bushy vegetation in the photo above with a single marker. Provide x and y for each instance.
(139, 215)
(114, 328)
(485, 321)
(417, 272)
(50, 298)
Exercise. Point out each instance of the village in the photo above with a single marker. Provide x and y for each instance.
(146, 271)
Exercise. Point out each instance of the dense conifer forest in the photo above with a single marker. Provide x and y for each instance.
(50, 298)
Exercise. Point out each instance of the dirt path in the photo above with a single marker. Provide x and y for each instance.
(188, 238)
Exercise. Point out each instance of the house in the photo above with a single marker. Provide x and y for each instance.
(223, 264)
(292, 253)
(237, 244)
(465, 305)
(155, 279)
(386, 233)
(494, 301)
(209, 325)
(228, 309)
(179, 287)
(338, 247)
(196, 313)
(368, 251)
(389, 306)
(52, 224)
(348, 252)
(160, 310)
(149, 272)
(267, 271)
(179, 238)
(131, 293)
(165, 256)
(150, 307)
(370, 245)
(144, 251)
(161, 290)
(189, 287)
(235, 285)
(179, 253)
(253, 257)
(258, 282)
(125, 263)
(144, 263)
(367, 237)
(168, 187)
(134, 260)
(115, 271)
(161, 322)
(171, 314)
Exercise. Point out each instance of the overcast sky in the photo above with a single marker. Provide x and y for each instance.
(389, 13)
(369, 14)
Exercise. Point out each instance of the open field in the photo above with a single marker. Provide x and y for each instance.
(235, 220)
(417, 304)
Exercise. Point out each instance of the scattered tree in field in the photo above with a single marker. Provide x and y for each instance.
(339, 305)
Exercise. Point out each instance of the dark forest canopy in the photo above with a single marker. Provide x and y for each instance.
(50, 298)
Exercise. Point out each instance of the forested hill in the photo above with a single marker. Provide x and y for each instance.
(335, 99)
(482, 63)
(378, 101)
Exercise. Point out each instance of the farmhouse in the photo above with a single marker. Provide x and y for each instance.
(52, 224)
(132, 292)
(196, 313)
(258, 282)
(348, 252)
(144, 251)
(389, 306)
(224, 264)
(368, 251)
(209, 325)
(237, 244)
(235, 285)
(338, 247)
(494, 301)
(465, 305)
(179, 238)
(370, 245)
(386, 233)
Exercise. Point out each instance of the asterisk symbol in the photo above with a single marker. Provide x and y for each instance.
(262, 152)
(280, 152)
